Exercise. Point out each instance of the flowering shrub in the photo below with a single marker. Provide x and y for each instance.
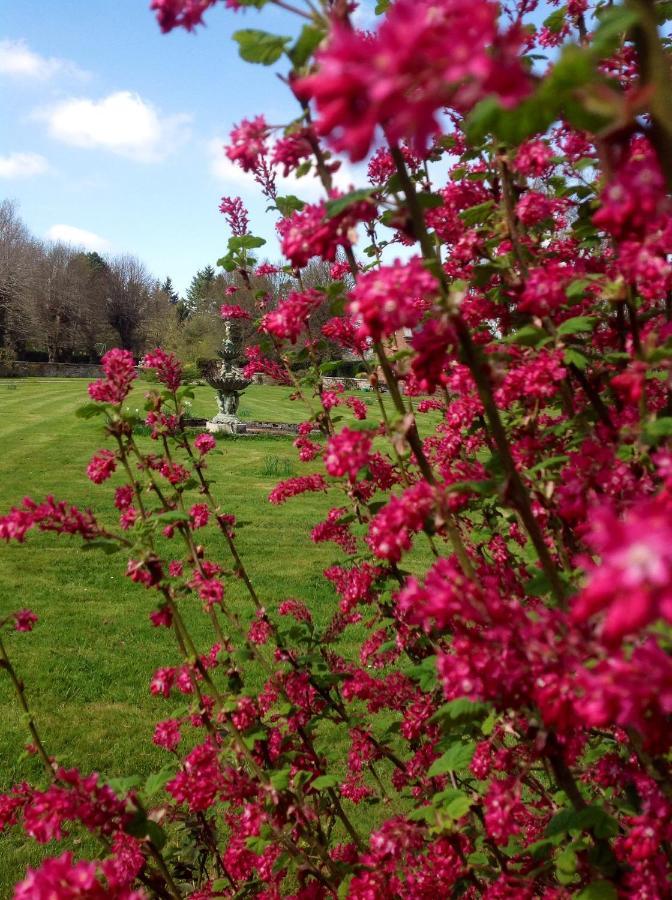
(503, 727)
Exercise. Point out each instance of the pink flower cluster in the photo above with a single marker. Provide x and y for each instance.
(391, 298)
(425, 56)
(120, 373)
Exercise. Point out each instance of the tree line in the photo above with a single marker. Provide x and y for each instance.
(61, 304)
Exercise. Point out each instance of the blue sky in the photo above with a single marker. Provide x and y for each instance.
(111, 129)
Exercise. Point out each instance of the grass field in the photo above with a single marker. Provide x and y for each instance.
(88, 663)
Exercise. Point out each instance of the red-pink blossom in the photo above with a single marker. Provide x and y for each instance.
(347, 452)
(424, 57)
(167, 734)
(120, 373)
(632, 583)
(291, 315)
(233, 311)
(24, 620)
(312, 232)
(392, 297)
(236, 215)
(102, 465)
(168, 367)
(204, 443)
(292, 487)
(248, 143)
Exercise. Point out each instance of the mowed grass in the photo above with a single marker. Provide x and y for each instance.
(88, 663)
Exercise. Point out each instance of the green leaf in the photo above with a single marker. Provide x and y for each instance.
(257, 844)
(614, 21)
(260, 46)
(289, 204)
(528, 336)
(425, 672)
(89, 410)
(430, 201)
(227, 262)
(573, 358)
(577, 324)
(280, 779)
(659, 428)
(158, 780)
(382, 6)
(156, 834)
(461, 709)
(598, 890)
(336, 207)
(324, 781)
(123, 785)
(173, 517)
(454, 759)
(309, 39)
(245, 242)
(459, 807)
(556, 20)
(478, 214)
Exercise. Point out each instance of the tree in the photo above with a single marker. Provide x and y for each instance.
(199, 287)
(169, 290)
(128, 299)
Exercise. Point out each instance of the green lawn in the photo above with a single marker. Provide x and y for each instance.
(88, 663)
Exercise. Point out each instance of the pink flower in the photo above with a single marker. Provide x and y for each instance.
(358, 407)
(257, 363)
(260, 630)
(533, 208)
(391, 528)
(102, 466)
(50, 515)
(533, 158)
(635, 199)
(200, 780)
(236, 215)
(167, 734)
(123, 496)
(504, 810)
(199, 515)
(292, 149)
(204, 443)
(354, 585)
(24, 620)
(168, 368)
(332, 529)
(392, 297)
(292, 487)
(633, 583)
(424, 57)
(233, 311)
(347, 452)
(344, 332)
(311, 232)
(248, 143)
(291, 315)
(120, 373)
(180, 13)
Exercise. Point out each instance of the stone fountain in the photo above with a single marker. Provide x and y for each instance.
(228, 380)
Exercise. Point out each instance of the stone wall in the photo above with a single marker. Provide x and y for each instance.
(18, 369)
(350, 384)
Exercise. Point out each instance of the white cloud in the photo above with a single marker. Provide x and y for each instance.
(307, 188)
(22, 165)
(18, 61)
(78, 237)
(122, 123)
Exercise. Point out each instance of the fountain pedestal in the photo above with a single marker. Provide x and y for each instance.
(228, 380)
